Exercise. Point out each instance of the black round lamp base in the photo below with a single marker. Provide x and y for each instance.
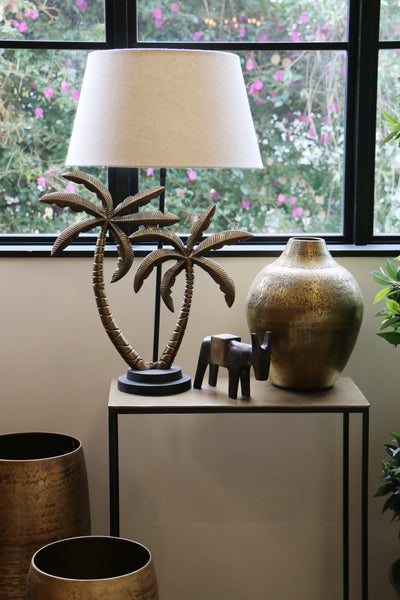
(155, 382)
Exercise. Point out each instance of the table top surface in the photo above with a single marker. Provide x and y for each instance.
(342, 396)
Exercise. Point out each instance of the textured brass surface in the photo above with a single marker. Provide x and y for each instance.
(313, 308)
(113, 219)
(41, 500)
(98, 568)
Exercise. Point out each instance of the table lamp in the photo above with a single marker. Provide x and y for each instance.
(157, 108)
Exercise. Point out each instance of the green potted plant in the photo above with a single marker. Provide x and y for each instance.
(391, 488)
(390, 332)
(391, 293)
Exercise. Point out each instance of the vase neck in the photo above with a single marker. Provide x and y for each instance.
(306, 247)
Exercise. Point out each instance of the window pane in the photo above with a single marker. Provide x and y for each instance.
(75, 20)
(390, 20)
(38, 98)
(387, 160)
(249, 21)
(297, 102)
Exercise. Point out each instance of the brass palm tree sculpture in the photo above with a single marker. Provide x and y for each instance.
(159, 377)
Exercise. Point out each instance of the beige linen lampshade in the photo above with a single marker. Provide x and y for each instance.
(163, 108)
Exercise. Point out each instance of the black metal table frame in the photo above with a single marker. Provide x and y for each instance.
(364, 410)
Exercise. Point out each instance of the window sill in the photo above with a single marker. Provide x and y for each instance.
(250, 250)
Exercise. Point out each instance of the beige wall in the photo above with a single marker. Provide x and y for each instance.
(231, 507)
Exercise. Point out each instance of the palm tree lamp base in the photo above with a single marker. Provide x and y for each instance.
(155, 382)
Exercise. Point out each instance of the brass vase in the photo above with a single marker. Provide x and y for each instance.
(92, 568)
(313, 308)
(43, 497)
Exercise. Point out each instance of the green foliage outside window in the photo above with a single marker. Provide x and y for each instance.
(297, 100)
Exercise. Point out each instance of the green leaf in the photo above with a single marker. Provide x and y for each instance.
(391, 337)
(384, 489)
(393, 306)
(381, 278)
(391, 269)
(382, 294)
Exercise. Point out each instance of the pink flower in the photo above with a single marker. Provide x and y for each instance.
(51, 171)
(49, 92)
(246, 204)
(15, 23)
(297, 212)
(41, 181)
(70, 189)
(293, 201)
(334, 107)
(295, 36)
(39, 113)
(158, 23)
(157, 13)
(325, 120)
(174, 7)
(278, 76)
(192, 175)
(259, 101)
(150, 172)
(23, 27)
(256, 86)
(75, 95)
(64, 86)
(324, 138)
(214, 195)
(263, 37)
(250, 64)
(312, 132)
(281, 198)
(34, 13)
(241, 32)
(197, 36)
(304, 18)
(33, 85)
(81, 4)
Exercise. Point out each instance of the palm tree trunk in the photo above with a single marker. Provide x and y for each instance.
(128, 353)
(171, 349)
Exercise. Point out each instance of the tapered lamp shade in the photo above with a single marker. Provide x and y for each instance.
(163, 108)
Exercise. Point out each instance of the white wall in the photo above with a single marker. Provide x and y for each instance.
(231, 507)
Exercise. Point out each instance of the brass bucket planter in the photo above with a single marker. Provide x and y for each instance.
(92, 568)
(43, 497)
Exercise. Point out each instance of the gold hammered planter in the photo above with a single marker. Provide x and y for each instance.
(43, 497)
(92, 568)
(313, 308)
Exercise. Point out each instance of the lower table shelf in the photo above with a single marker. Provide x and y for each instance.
(344, 397)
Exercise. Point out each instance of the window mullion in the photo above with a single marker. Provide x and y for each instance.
(365, 98)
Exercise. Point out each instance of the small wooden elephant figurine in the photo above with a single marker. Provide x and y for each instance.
(226, 350)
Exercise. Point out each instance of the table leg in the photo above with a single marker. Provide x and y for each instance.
(113, 472)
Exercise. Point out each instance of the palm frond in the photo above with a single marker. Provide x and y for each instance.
(148, 219)
(137, 200)
(203, 223)
(167, 283)
(159, 235)
(125, 253)
(218, 240)
(75, 202)
(71, 232)
(152, 260)
(220, 277)
(93, 185)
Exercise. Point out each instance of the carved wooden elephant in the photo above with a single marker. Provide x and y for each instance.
(226, 350)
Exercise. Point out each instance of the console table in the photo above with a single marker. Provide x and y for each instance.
(344, 397)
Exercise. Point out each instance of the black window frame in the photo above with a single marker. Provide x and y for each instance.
(362, 48)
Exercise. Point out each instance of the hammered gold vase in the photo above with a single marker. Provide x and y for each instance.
(313, 308)
(43, 497)
(92, 568)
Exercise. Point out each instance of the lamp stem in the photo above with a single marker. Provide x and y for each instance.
(157, 301)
